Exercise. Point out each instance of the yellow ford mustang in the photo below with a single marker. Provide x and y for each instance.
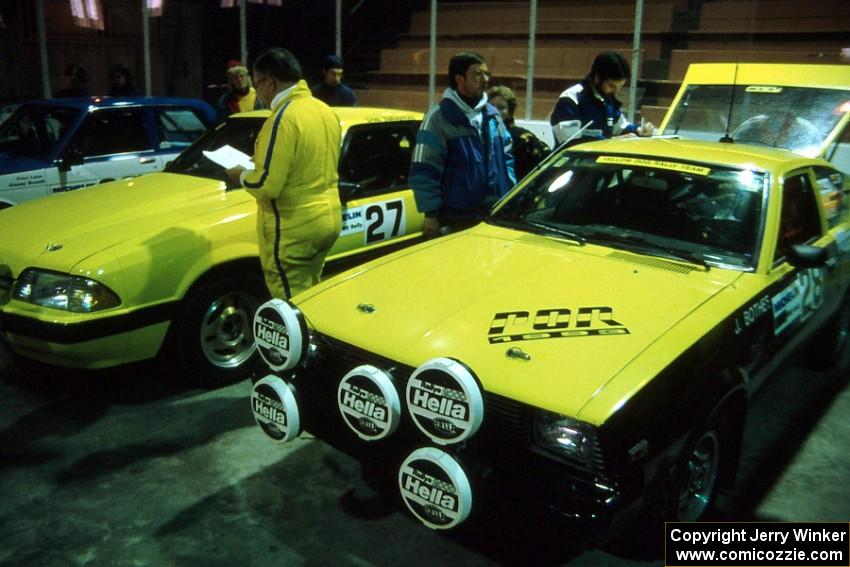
(590, 348)
(99, 277)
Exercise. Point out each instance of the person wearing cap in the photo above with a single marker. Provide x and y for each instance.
(331, 91)
(295, 177)
(593, 103)
(241, 95)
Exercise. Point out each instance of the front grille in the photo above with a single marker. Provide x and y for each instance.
(505, 434)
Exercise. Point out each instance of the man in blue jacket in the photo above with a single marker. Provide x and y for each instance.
(594, 100)
(462, 163)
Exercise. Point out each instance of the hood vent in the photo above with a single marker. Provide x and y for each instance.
(652, 262)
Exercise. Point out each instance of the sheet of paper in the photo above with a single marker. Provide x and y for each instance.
(228, 156)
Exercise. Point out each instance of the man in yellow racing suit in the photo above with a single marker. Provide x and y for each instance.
(294, 178)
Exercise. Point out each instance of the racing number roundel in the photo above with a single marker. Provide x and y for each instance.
(275, 409)
(280, 333)
(369, 403)
(444, 400)
(435, 488)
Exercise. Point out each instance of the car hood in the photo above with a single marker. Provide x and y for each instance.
(19, 164)
(60, 231)
(477, 295)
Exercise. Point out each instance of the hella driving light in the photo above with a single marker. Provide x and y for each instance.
(63, 291)
(566, 436)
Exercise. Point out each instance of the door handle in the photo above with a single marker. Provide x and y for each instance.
(145, 160)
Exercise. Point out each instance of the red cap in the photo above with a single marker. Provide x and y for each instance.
(234, 63)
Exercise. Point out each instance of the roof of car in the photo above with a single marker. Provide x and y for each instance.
(113, 101)
(743, 156)
(351, 116)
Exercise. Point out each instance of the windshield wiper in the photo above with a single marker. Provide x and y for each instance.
(548, 228)
(541, 227)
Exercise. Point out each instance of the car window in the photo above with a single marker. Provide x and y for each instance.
(178, 127)
(795, 118)
(646, 205)
(376, 157)
(830, 186)
(34, 131)
(800, 221)
(112, 131)
(239, 133)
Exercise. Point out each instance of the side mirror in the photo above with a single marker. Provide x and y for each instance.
(72, 157)
(804, 256)
(348, 190)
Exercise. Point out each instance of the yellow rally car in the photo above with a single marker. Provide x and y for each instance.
(98, 278)
(589, 349)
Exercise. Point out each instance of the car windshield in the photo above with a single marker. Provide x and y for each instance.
(34, 130)
(239, 133)
(698, 213)
(794, 118)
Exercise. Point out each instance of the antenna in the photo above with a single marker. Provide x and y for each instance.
(727, 139)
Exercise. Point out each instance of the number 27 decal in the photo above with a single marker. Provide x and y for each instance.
(384, 220)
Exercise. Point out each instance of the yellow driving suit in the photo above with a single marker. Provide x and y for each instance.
(295, 183)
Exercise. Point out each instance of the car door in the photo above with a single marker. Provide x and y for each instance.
(175, 129)
(28, 142)
(801, 298)
(111, 143)
(378, 205)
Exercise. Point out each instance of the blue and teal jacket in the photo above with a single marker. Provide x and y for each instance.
(456, 172)
(580, 104)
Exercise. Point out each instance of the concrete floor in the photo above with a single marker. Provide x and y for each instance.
(122, 467)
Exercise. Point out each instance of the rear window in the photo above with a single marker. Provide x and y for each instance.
(178, 127)
(794, 118)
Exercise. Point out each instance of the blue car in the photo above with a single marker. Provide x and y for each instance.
(57, 145)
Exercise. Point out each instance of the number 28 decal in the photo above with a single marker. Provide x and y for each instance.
(384, 220)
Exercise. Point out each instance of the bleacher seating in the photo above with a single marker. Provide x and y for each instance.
(570, 33)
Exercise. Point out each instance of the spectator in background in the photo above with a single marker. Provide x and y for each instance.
(594, 100)
(121, 81)
(462, 162)
(331, 91)
(76, 81)
(241, 95)
(528, 149)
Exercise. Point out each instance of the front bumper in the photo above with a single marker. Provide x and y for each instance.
(504, 467)
(85, 341)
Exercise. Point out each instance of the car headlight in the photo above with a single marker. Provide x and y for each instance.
(63, 291)
(565, 436)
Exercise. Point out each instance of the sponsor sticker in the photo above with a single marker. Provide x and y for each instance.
(435, 488)
(275, 409)
(797, 301)
(280, 333)
(369, 403)
(658, 164)
(352, 221)
(444, 400)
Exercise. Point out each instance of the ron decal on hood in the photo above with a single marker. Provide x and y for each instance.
(512, 326)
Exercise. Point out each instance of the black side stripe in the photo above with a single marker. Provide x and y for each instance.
(268, 161)
(286, 291)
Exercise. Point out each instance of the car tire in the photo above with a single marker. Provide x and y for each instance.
(214, 337)
(694, 486)
(688, 494)
(828, 344)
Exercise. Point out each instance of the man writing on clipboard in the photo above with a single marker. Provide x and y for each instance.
(294, 178)
(592, 106)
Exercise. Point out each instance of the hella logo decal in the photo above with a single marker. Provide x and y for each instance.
(279, 332)
(445, 401)
(369, 403)
(435, 488)
(275, 409)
